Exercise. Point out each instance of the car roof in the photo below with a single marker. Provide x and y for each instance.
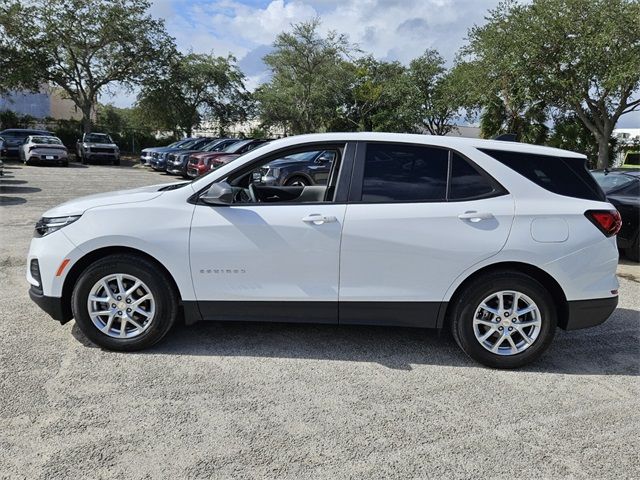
(435, 140)
(633, 172)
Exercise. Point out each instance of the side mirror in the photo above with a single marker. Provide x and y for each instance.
(325, 158)
(219, 193)
(256, 177)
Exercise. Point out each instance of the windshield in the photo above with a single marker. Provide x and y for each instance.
(46, 140)
(97, 138)
(217, 145)
(236, 146)
(611, 181)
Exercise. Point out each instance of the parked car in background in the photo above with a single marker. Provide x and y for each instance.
(499, 242)
(300, 169)
(201, 163)
(147, 153)
(622, 188)
(177, 160)
(15, 137)
(2, 153)
(159, 160)
(98, 147)
(40, 149)
(235, 152)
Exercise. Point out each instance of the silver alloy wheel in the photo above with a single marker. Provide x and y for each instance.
(507, 322)
(121, 305)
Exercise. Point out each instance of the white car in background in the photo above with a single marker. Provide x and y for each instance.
(499, 242)
(43, 149)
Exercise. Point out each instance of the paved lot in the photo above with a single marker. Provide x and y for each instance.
(281, 401)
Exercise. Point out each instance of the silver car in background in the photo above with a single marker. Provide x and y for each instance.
(45, 150)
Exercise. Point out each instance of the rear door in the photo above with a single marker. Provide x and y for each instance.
(418, 216)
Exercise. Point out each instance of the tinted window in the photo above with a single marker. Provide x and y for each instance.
(404, 173)
(611, 181)
(466, 181)
(561, 175)
(97, 138)
(632, 190)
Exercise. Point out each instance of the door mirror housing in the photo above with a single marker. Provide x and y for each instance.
(256, 177)
(220, 193)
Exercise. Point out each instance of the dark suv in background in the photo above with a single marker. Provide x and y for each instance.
(177, 161)
(300, 169)
(14, 137)
(159, 160)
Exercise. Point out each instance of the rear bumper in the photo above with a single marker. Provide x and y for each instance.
(53, 306)
(588, 313)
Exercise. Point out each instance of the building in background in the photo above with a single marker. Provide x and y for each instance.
(49, 102)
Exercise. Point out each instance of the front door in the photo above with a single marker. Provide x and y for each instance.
(272, 255)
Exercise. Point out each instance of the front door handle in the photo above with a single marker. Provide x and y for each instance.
(319, 219)
(474, 216)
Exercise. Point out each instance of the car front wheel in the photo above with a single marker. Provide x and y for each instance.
(124, 302)
(504, 319)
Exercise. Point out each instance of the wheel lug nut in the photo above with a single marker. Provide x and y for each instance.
(510, 328)
(113, 305)
(128, 310)
(119, 313)
(128, 300)
(119, 297)
(500, 328)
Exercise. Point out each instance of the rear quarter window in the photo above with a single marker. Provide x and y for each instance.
(561, 175)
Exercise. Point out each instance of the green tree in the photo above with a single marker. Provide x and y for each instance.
(581, 57)
(526, 120)
(371, 96)
(570, 133)
(83, 46)
(196, 87)
(432, 98)
(308, 79)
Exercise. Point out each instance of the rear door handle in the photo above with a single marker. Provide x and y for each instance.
(474, 216)
(319, 219)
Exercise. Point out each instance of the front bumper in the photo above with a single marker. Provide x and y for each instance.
(53, 306)
(588, 313)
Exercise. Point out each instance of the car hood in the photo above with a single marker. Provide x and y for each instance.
(80, 205)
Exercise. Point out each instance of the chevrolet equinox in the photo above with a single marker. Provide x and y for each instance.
(499, 242)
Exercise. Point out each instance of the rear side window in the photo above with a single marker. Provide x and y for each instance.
(404, 173)
(466, 181)
(561, 175)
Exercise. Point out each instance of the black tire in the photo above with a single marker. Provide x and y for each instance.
(116, 162)
(633, 252)
(297, 180)
(166, 308)
(65, 164)
(465, 304)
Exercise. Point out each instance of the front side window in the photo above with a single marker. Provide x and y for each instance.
(404, 173)
(295, 176)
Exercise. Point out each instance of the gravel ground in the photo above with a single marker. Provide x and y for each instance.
(281, 401)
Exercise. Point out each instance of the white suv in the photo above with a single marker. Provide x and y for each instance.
(500, 242)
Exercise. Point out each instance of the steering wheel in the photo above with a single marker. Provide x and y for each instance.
(252, 193)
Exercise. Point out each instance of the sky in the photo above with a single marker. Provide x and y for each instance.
(389, 29)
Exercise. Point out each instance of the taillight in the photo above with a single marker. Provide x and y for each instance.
(607, 221)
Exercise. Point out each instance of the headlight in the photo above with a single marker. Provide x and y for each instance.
(46, 225)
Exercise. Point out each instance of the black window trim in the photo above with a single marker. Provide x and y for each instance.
(347, 147)
(357, 178)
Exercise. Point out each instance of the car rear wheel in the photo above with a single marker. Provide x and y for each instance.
(504, 319)
(124, 302)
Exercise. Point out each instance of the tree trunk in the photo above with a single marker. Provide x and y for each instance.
(86, 117)
(603, 151)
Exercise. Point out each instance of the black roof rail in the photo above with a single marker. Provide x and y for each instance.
(506, 137)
